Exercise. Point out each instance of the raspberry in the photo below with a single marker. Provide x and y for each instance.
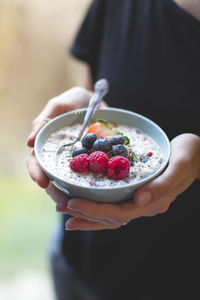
(149, 154)
(98, 162)
(80, 163)
(118, 167)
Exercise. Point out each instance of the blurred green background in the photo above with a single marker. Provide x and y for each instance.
(34, 67)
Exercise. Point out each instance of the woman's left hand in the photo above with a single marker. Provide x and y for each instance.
(151, 199)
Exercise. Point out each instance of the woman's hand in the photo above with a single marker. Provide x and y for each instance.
(151, 199)
(72, 99)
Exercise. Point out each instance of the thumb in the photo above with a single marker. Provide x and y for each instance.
(38, 123)
(51, 110)
(176, 178)
(169, 184)
(71, 99)
(154, 190)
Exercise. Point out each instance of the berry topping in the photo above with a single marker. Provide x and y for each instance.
(98, 162)
(118, 167)
(81, 150)
(80, 163)
(119, 150)
(117, 139)
(149, 154)
(144, 159)
(101, 129)
(88, 140)
(102, 144)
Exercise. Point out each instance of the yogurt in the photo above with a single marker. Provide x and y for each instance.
(148, 157)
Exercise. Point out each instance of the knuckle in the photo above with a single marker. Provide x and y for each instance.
(164, 208)
(53, 100)
(55, 103)
(77, 89)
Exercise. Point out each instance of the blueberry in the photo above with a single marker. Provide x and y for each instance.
(81, 150)
(102, 144)
(88, 140)
(119, 150)
(117, 139)
(144, 159)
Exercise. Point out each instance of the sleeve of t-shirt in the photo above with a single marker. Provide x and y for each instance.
(87, 43)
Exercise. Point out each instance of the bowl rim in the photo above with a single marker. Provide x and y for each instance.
(100, 188)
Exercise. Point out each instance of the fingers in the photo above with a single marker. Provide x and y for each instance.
(57, 195)
(98, 210)
(82, 220)
(36, 172)
(71, 99)
(61, 207)
(62, 204)
(90, 221)
(113, 213)
(83, 224)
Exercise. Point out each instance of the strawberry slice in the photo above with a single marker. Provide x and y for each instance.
(101, 129)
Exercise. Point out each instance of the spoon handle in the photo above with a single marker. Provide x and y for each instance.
(94, 101)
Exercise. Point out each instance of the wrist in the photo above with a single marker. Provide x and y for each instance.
(198, 176)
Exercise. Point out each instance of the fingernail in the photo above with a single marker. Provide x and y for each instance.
(61, 206)
(70, 205)
(67, 228)
(144, 198)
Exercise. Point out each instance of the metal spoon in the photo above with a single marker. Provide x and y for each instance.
(100, 90)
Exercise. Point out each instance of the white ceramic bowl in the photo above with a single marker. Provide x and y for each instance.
(103, 194)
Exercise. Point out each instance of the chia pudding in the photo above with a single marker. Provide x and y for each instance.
(146, 159)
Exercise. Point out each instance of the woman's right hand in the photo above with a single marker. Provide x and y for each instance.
(74, 98)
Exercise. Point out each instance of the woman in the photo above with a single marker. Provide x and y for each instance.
(149, 52)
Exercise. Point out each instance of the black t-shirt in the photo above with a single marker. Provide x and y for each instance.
(149, 50)
(150, 53)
